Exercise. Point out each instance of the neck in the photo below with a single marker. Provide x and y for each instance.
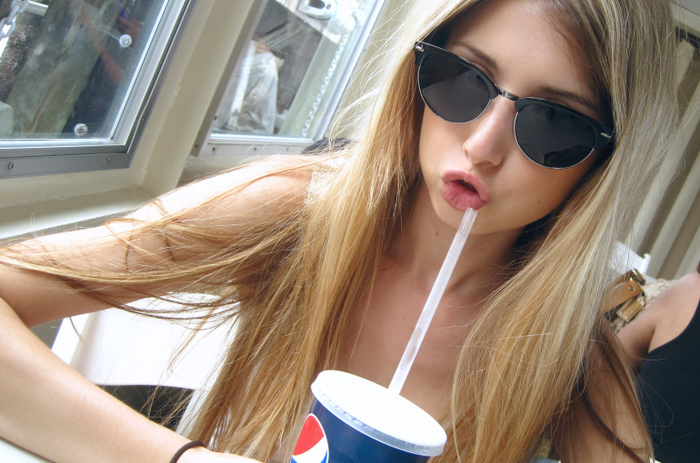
(423, 244)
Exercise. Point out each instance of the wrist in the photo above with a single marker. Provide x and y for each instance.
(178, 456)
(195, 455)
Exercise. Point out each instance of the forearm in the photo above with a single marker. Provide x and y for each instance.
(88, 258)
(50, 409)
(40, 298)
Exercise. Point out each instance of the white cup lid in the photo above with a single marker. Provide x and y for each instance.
(379, 413)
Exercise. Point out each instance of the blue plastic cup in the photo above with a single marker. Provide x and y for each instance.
(353, 420)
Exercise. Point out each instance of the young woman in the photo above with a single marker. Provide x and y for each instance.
(330, 258)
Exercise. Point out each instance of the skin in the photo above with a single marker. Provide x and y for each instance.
(47, 407)
(520, 192)
(514, 35)
(517, 48)
(663, 321)
(504, 39)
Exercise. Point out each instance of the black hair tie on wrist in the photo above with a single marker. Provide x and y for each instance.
(185, 448)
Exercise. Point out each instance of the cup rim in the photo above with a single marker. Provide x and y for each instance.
(343, 394)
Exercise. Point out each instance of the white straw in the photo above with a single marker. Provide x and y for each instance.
(426, 316)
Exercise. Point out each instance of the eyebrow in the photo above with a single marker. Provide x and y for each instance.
(479, 54)
(572, 96)
(553, 91)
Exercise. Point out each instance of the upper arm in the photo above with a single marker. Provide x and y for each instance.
(636, 337)
(231, 203)
(605, 422)
(217, 205)
(274, 182)
(663, 320)
(589, 442)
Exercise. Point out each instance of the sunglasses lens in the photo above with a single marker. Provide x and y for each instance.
(451, 89)
(553, 137)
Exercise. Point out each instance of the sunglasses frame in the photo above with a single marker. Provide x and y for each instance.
(603, 135)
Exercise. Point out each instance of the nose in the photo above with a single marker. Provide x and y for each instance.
(490, 137)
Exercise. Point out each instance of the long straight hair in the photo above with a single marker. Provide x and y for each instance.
(540, 340)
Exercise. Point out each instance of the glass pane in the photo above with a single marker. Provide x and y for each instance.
(66, 67)
(294, 69)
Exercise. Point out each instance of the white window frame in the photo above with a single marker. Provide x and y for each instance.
(239, 147)
(42, 204)
(31, 157)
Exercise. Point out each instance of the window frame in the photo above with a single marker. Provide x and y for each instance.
(43, 157)
(240, 146)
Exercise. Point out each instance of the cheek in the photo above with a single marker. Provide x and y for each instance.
(554, 187)
(428, 129)
(437, 139)
(427, 145)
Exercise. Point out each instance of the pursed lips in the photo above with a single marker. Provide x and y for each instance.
(462, 189)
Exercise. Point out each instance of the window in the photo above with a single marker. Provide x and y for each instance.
(77, 77)
(289, 79)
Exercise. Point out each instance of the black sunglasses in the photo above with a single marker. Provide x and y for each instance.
(550, 134)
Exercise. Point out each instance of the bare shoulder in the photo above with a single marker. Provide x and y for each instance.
(680, 298)
(663, 320)
(666, 318)
(267, 186)
(686, 288)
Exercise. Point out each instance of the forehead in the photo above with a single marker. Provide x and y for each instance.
(522, 37)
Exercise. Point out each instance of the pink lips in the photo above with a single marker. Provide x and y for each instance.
(462, 190)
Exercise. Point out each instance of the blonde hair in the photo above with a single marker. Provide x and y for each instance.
(539, 340)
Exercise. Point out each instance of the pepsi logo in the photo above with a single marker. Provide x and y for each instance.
(312, 445)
